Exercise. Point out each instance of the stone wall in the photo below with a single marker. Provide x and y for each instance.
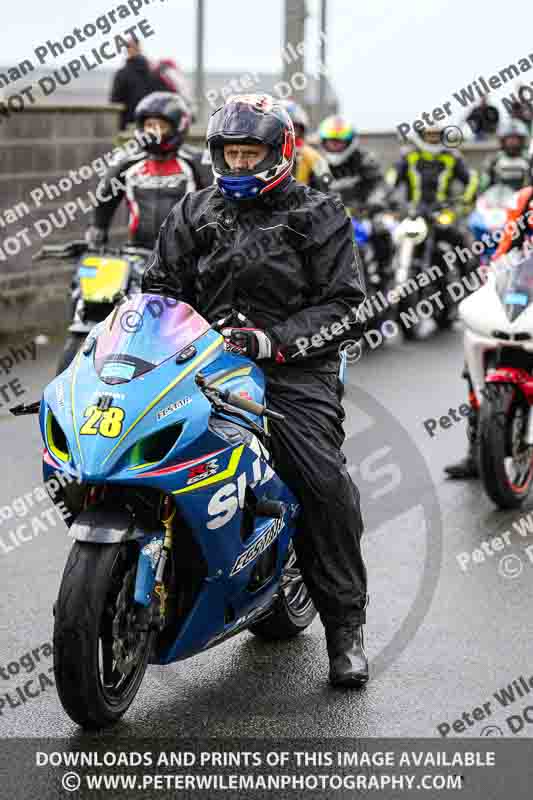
(41, 145)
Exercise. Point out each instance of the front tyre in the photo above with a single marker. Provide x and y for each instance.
(505, 461)
(100, 653)
(292, 612)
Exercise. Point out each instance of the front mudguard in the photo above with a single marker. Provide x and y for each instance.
(104, 527)
(116, 527)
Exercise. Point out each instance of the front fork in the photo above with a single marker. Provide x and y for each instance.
(153, 557)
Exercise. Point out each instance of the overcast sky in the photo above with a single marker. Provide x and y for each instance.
(388, 60)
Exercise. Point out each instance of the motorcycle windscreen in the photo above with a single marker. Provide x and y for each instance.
(142, 333)
(498, 196)
(514, 285)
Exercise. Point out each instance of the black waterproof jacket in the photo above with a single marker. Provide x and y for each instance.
(356, 178)
(287, 261)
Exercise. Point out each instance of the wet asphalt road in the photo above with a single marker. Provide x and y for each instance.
(442, 641)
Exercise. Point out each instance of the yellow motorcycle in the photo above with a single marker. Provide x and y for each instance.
(103, 277)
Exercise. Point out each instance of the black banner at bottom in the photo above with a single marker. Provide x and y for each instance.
(114, 767)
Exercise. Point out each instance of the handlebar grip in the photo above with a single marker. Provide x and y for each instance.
(251, 406)
(244, 403)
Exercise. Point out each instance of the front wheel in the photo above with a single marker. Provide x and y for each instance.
(505, 460)
(293, 611)
(100, 650)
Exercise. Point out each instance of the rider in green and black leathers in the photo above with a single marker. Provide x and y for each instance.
(511, 166)
(428, 171)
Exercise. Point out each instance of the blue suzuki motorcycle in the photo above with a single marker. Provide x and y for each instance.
(182, 529)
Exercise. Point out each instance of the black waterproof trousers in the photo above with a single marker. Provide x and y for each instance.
(308, 457)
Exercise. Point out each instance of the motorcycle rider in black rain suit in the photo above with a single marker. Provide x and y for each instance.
(282, 254)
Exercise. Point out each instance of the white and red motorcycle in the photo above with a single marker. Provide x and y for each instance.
(498, 320)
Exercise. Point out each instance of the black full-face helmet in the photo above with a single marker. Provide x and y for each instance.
(251, 119)
(174, 110)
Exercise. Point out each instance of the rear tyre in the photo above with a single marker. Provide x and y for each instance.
(100, 657)
(505, 461)
(293, 611)
(72, 345)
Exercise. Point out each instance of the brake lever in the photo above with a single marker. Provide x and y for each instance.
(235, 405)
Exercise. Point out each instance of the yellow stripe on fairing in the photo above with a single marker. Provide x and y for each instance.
(237, 373)
(59, 454)
(72, 385)
(229, 472)
(183, 374)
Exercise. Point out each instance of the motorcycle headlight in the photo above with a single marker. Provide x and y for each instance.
(56, 441)
(446, 217)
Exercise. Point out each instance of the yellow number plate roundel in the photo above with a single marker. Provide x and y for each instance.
(106, 423)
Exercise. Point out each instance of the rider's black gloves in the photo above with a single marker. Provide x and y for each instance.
(252, 342)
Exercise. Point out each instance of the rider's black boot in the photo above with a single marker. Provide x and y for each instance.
(348, 664)
(468, 466)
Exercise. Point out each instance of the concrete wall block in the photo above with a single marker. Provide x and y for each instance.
(106, 125)
(35, 125)
(14, 190)
(76, 154)
(39, 310)
(28, 157)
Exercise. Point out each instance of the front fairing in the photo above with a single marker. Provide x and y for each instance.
(166, 395)
(505, 303)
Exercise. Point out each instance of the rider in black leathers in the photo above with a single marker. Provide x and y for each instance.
(282, 254)
(153, 180)
(358, 180)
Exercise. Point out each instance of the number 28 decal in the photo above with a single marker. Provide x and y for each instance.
(107, 423)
